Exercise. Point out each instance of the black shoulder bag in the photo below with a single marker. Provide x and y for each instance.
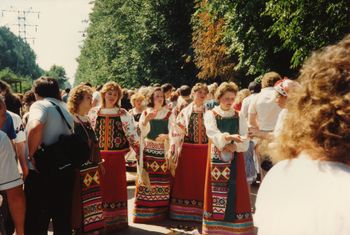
(70, 151)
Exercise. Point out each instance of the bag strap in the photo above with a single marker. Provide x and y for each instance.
(62, 116)
(83, 125)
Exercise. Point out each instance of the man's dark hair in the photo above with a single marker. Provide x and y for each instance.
(185, 90)
(47, 87)
(166, 87)
(254, 87)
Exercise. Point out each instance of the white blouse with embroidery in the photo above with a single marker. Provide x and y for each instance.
(161, 114)
(218, 137)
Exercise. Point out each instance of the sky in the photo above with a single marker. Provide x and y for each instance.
(59, 32)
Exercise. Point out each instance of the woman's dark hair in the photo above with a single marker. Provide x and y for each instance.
(47, 87)
(166, 87)
(151, 97)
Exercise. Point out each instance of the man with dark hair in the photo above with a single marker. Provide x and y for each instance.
(49, 196)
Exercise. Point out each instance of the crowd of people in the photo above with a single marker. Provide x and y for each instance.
(197, 151)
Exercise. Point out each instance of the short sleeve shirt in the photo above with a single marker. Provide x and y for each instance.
(9, 175)
(18, 127)
(266, 109)
(8, 127)
(46, 113)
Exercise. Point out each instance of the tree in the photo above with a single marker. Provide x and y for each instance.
(305, 26)
(211, 54)
(17, 55)
(138, 42)
(59, 73)
(9, 76)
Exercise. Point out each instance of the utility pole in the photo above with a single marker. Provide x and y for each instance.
(22, 17)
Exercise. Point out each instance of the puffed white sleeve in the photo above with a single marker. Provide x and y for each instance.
(171, 123)
(145, 129)
(213, 133)
(243, 131)
(130, 130)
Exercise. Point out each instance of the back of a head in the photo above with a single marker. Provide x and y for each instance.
(254, 87)
(185, 90)
(269, 79)
(47, 87)
(318, 120)
(166, 87)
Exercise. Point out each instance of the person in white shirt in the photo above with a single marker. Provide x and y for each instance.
(308, 191)
(10, 180)
(20, 142)
(263, 110)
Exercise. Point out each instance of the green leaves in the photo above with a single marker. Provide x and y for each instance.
(138, 42)
(17, 55)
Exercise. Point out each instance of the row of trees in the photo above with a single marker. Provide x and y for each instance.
(18, 62)
(138, 42)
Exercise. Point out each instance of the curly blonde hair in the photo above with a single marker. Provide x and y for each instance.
(136, 96)
(76, 96)
(225, 87)
(110, 86)
(318, 119)
(199, 86)
(241, 95)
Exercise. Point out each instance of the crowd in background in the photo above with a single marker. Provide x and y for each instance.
(197, 150)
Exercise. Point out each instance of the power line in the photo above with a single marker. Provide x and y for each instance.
(22, 19)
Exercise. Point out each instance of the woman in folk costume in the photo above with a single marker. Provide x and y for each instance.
(189, 147)
(226, 202)
(87, 195)
(153, 188)
(116, 131)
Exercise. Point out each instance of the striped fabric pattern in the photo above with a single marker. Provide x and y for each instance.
(151, 204)
(91, 198)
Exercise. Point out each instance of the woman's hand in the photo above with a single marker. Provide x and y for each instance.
(162, 137)
(236, 138)
(150, 116)
(230, 148)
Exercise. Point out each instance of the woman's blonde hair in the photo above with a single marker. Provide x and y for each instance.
(110, 86)
(318, 119)
(76, 96)
(136, 96)
(199, 86)
(241, 95)
(225, 87)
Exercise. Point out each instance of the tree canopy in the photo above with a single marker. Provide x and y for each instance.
(17, 55)
(138, 42)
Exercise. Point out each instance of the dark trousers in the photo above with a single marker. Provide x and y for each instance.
(6, 223)
(49, 197)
